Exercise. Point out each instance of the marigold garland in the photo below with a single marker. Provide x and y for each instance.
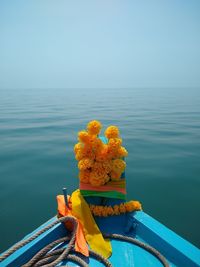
(104, 211)
(98, 162)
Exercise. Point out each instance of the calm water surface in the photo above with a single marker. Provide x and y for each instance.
(160, 129)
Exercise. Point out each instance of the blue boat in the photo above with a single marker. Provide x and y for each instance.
(138, 225)
(137, 240)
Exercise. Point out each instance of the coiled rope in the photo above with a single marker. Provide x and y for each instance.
(47, 257)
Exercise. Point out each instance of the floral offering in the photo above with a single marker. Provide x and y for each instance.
(104, 211)
(99, 163)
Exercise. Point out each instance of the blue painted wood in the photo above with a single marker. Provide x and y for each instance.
(174, 247)
(25, 253)
(178, 251)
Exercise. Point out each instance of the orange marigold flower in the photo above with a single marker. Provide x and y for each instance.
(106, 179)
(112, 132)
(84, 176)
(99, 162)
(77, 147)
(79, 155)
(99, 171)
(122, 208)
(94, 127)
(133, 206)
(102, 167)
(96, 211)
(96, 179)
(95, 182)
(136, 205)
(129, 207)
(110, 211)
(97, 144)
(115, 176)
(104, 212)
(116, 210)
(83, 137)
(88, 152)
(111, 154)
(107, 165)
(85, 164)
(92, 207)
(100, 210)
(122, 152)
(114, 143)
(119, 165)
(98, 166)
(102, 154)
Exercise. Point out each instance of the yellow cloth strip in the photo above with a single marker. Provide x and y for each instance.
(81, 210)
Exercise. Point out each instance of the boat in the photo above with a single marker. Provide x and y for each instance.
(95, 226)
(142, 227)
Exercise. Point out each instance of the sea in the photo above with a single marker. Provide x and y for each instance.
(160, 128)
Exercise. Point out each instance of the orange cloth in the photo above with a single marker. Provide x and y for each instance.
(80, 243)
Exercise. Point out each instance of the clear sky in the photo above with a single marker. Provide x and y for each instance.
(104, 43)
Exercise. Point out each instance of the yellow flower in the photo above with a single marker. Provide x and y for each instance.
(119, 165)
(84, 176)
(112, 132)
(85, 164)
(94, 127)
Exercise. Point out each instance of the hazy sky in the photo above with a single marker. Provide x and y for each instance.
(79, 44)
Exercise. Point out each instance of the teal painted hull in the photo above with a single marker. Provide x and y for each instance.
(175, 249)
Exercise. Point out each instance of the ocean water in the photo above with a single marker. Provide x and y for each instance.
(160, 129)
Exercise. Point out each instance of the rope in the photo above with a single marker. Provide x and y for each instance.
(46, 228)
(138, 243)
(47, 257)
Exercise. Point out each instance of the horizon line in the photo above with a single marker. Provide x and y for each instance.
(99, 88)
